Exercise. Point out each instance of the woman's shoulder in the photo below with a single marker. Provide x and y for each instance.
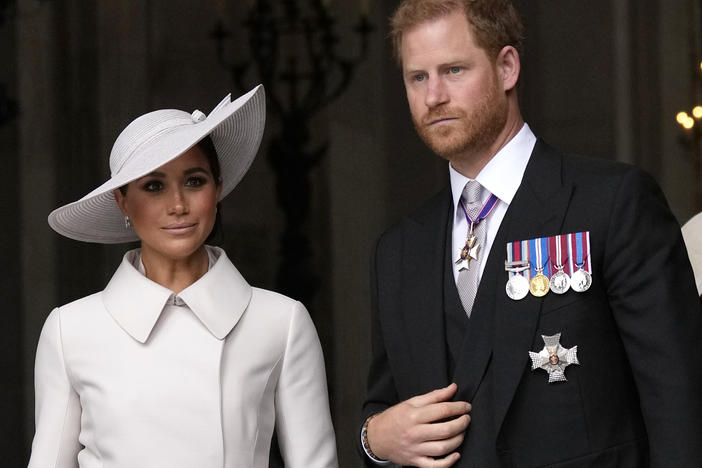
(285, 320)
(73, 323)
(273, 298)
(78, 308)
(80, 314)
(274, 305)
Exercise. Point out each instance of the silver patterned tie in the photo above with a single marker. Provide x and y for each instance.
(468, 278)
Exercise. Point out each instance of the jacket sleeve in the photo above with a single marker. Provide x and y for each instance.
(303, 420)
(381, 389)
(654, 302)
(57, 411)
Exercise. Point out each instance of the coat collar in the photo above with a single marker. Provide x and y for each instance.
(218, 299)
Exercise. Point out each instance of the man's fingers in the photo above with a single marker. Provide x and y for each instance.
(442, 411)
(440, 448)
(435, 396)
(444, 430)
(446, 462)
(400, 432)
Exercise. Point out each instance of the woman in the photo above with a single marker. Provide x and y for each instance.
(178, 362)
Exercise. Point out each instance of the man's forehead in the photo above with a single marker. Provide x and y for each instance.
(444, 39)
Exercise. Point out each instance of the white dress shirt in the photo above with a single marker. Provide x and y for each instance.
(135, 376)
(502, 177)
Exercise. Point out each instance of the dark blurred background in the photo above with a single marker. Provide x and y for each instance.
(339, 163)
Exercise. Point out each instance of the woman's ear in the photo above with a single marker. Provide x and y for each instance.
(121, 201)
(508, 67)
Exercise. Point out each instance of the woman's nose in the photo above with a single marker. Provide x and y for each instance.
(178, 202)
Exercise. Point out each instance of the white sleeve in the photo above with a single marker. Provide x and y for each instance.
(303, 421)
(57, 407)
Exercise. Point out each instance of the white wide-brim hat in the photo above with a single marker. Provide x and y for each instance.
(692, 233)
(155, 139)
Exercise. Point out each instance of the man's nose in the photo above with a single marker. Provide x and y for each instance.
(437, 93)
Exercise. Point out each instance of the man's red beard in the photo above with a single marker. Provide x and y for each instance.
(467, 133)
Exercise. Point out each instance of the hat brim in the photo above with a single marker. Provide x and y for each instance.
(236, 129)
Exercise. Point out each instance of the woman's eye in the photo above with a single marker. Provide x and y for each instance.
(152, 186)
(195, 181)
(419, 78)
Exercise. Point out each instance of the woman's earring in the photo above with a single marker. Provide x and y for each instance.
(127, 223)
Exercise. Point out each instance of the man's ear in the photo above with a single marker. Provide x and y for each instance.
(508, 67)
(121, 201)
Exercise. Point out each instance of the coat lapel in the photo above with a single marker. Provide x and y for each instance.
(422, 307)
(537, 210)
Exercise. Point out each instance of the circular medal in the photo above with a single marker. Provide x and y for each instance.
(581, 281)
(539, 285)
(559, 282)
(517, 287)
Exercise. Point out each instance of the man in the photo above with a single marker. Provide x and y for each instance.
(590, 356)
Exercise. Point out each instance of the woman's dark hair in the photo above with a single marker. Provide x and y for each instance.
(207, 146)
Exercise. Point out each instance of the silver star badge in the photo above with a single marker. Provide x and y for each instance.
(468, 253)
(554, 358)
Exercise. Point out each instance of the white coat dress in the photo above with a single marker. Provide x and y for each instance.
(135, 376)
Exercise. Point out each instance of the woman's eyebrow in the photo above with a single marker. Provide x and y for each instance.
(195, 169)
(153, 174)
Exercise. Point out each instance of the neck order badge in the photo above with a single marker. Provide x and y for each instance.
(472, 247)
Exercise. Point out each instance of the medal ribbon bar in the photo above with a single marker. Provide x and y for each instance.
(579, 251)
(558, 252)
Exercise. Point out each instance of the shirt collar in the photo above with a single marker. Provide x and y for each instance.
(503, 174)
(218, 299)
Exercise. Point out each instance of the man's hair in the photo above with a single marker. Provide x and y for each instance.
(495, 23)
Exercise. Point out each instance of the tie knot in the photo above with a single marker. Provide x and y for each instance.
(472, 193)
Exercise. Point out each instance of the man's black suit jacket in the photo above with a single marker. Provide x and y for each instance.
(634, 400)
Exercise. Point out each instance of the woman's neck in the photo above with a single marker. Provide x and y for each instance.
(175, 274)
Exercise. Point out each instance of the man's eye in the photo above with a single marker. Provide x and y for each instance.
(152, 186)
(454, 70)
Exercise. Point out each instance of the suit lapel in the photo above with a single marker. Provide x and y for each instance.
(422, 307)
(537, 210)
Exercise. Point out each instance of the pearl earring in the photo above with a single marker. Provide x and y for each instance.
(127, 222)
